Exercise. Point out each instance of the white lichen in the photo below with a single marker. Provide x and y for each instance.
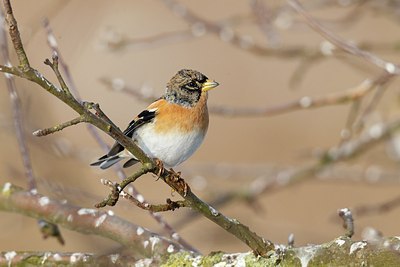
(240, 260)
(327, 48)
(45, 257)
(44, 201)
(305, 254)
(213, 211)
(196, 261)
(100, 220)
(305, 102)
(144, 262)
(376, 131)
(10, 76)
(345, 211)
(139, 231)
(110, 213)
(234, 259)
(170, 248)
(340, 242)
(10, 256)
(6, 187)
(234, 221)
(57, 257)
(176, 236)
(33, 191)
(140, 198)
(75, 257)
(70, 218)
(52, 40)
(390, 67)
(84, 211)
(154, 240)
(145, 243)
(114, 258)
(356, 246)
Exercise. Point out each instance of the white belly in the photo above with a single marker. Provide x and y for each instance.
(172, 149)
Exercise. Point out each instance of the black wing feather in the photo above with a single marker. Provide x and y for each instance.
(144, 117)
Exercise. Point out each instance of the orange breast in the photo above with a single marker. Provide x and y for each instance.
(181, 118)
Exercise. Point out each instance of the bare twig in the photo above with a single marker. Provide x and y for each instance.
(348, 222)
(15, 37)
(50, 229)
(114, 40)
(342, 44)
(116, 189)
(59, 127)
(17, 112)
(359, 123)
(265, 18)
(378, 208)
(170, 206)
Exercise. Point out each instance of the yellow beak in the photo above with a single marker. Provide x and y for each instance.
(208, 85)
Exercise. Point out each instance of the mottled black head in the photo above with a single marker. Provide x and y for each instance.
(186, 87)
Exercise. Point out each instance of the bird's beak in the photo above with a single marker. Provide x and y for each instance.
(208, 85)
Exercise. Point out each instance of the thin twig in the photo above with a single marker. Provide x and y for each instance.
(170, 206)
(377, 208)
(17, 110)
(348, 222)
(15, 36)
(340, 43)
(59, 127)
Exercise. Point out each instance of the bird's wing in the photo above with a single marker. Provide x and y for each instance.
(144, 117)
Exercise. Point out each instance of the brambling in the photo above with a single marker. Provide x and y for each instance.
(171, 128)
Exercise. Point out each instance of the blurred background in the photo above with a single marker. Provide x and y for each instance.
(264, 55)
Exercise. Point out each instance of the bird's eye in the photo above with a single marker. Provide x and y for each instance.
(191, 85)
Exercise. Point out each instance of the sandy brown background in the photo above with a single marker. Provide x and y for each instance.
(61, 161)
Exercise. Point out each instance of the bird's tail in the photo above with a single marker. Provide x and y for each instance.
(106, 161)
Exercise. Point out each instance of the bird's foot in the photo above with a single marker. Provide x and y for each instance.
(160, 167)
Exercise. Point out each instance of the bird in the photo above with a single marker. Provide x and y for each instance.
(171, 128)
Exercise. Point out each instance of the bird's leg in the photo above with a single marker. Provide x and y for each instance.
(160, 166)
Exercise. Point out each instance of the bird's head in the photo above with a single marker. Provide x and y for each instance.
(186, 87)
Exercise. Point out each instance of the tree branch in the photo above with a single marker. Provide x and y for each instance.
(87, 221)
(258, 244)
